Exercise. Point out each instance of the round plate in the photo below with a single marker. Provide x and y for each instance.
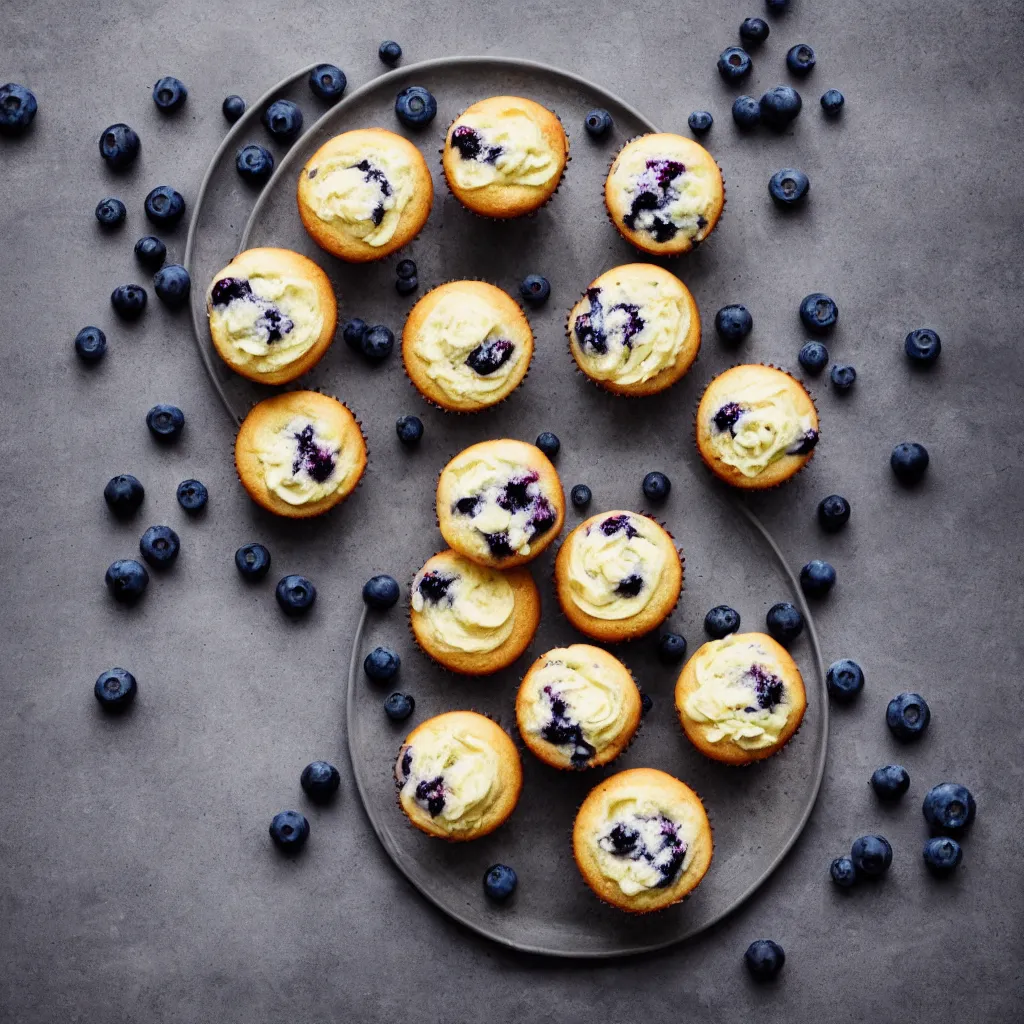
(756, 812)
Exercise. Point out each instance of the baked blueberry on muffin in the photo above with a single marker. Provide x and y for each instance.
(664, 193)
(504, 156)
(642, 840)
(466, 345)
(577, 707)
(458, 776)
(618, 575)
(756, 426)
(636, 330)
(364, 194)
(272, 314)
(500, 503)
(300, 453)
(740, 699)
(470, 618)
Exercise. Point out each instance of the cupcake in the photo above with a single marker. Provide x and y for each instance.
(618, 575)
(300, 453)
(664, 193)
(470, 618)
(466, 346)
(577, 707)
(459, 776)
(504, 156)
(364, 194)
(500, 503)
(272, 314)
(642, 840)
(636, 330)
(756, 426)
(740, 699)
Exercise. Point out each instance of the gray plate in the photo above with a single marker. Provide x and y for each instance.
(757, 813)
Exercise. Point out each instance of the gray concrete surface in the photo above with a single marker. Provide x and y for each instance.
(137, 884)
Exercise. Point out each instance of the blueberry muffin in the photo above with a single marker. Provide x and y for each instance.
(577, 707)
(636, 330)
(458, 776)
(642, 840)
(364, 194)
(740, 699)
(618, 576)
(470, 618)
(664, 193)
(300, 453)
(504, 156)
(756, 426)
(466, 346)
(500, 503)
(272, 314)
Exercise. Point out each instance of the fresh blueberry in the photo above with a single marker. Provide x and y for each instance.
(843, 377)
(352, 333)
(549, 444)
(817, 578)
(90, 344)
(110, 212)
(942, 855)
(17, 109)
(833, 513)
(165, 422)
(746, 112)
(126, 580)
(832, 102)
(123, 495)
(780, 105)
(949, 808)
(415, 106)
(382, 664)
(119, 146)
(129, 301)
(656, 486)
(909, 461)
(734, 63)
(784, 621)
(908, 716)
(159, 546)
(409, 430)
(283, 119)
(844, 680)
(381, 592)
(169, 94)
(871, 856)
(733, 323)
(289, 830)
(233, 108)
(843, 873)
(399, 706)
(754, 30)
(165, 206)
(172, 285)
(150, 252)
(598, 123)
(327, 82)
(813, 357)
(671, 648)
(580, 496)
(777, 6)
(295, 595)
(789, 187)
(890, 782)
(700, 122)
(535, 289)
(390, 52)
(800, 59)
(254, 163)
(406, 268)
(253, 561)
(721, 621)
(646, 703)
(376, 344)
(115, 689)
(500, 882)
(922, 346)
(764, 959)
(192, 495)
(406, 285)
(320, 781)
